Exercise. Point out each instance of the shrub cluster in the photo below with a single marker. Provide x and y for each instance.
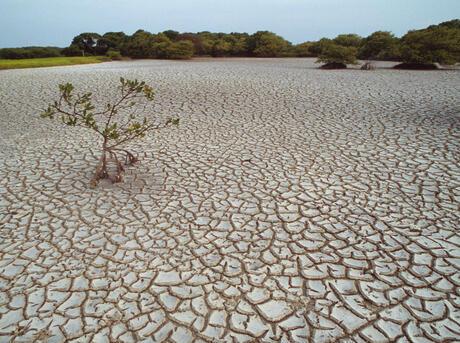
(29, 52)
(436, 43)
(174, 45)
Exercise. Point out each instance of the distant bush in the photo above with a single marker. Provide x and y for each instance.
(29, 52)
(335, 54)
(451, 24)
(139, 45)
(114, 55)
(436, 44)
(87, 43)
(143, 44)
(380, 45)
(72, 50)
(316, 48)
(110, 41)
(303, 50)
(180, 50)
(267, 44)
(348, 40)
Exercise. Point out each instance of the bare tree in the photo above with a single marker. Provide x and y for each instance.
(117, 123)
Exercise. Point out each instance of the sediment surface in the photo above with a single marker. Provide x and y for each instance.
(290, 205)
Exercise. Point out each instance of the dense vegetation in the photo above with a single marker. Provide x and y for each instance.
(436, 43)
(30, 52)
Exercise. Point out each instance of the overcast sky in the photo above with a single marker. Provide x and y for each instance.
(55, 22)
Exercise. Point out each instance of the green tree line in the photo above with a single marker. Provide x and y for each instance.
(437, 43)
(30, 52)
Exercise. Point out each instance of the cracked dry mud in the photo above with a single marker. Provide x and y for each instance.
(290, 205)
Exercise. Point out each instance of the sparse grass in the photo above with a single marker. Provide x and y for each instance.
(50, 62)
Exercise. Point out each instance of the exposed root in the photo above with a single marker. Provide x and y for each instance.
(102, 171)
(129, 157)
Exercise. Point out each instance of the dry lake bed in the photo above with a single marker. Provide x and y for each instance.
(291, 204)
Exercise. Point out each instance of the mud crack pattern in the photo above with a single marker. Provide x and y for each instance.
(290, 205)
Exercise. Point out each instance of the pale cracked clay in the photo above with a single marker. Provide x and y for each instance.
(290, 205)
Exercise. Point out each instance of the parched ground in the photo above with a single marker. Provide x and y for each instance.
(290, 205)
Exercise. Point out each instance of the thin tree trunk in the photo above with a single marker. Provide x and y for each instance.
(104, 159)
(101, 169)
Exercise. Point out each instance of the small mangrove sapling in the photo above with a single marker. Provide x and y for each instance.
(117, 123)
